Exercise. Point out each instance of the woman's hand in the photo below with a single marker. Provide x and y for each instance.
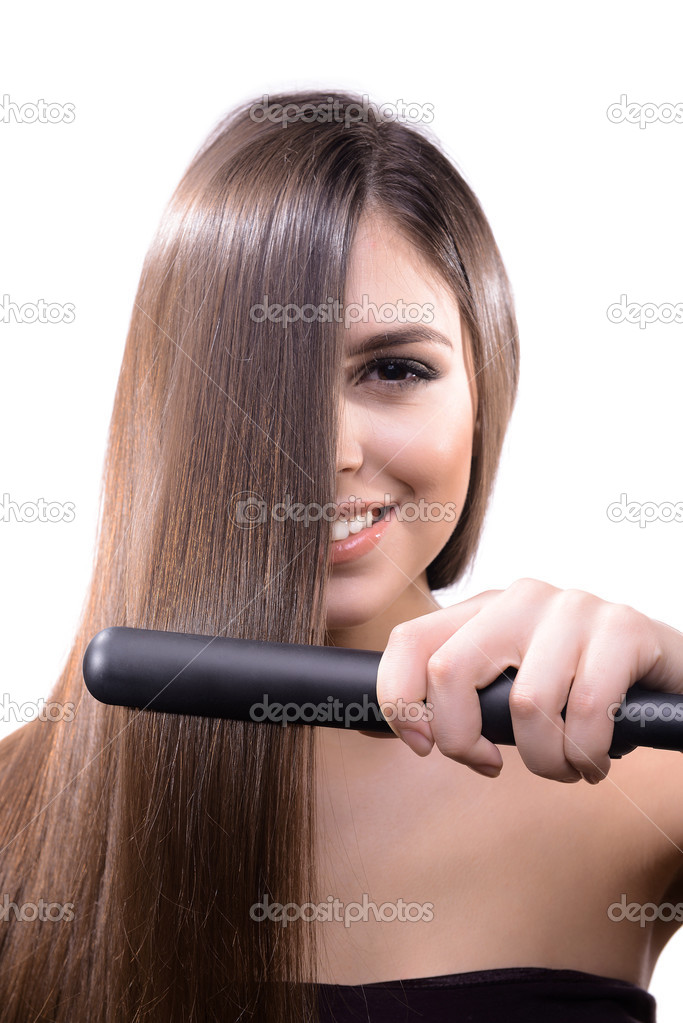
(570, 648)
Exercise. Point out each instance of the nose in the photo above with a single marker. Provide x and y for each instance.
(349, 433)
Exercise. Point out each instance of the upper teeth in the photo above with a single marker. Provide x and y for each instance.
(341, 528)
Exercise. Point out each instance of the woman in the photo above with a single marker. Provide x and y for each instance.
(238, 386)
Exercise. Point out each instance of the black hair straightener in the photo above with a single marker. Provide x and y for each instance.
(255, 680)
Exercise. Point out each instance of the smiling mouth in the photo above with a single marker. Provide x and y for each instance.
(343, 528)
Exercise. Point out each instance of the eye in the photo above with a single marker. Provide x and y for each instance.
(392, 369)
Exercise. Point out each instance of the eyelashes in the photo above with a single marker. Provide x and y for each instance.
(422, 373)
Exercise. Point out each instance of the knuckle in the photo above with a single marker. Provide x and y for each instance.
(522, 703)
(403, 640)
(575, 600)
(387, 692)
(387, 689)
(439, 669)
(529, 590)
(585, 703)
(624, 620)
(404, 632)
(526, 585)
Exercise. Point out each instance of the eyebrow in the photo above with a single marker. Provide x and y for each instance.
(402, 335)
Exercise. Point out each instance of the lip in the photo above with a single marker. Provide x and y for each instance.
(357, 545)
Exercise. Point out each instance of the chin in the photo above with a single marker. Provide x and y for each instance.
(349, 613)
(349, 607)
(347, 618)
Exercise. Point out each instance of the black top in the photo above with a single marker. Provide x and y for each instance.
(511, 995)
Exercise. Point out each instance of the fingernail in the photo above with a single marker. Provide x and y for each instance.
(488, 769)
(418, 742)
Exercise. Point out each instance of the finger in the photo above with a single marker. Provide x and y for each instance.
(472, 658)
(402, 671)
(487, 644)
(538, 696)
(604, 673)
(660, 651)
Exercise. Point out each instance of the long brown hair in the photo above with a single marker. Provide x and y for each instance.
(160, 832)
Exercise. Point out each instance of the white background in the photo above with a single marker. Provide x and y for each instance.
(584, 210)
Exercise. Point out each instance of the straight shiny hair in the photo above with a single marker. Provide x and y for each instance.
(155, 835)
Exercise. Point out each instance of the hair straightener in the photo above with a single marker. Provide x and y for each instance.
(287, 683)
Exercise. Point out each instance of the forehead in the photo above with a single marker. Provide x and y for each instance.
(389, 282)
(378, 242)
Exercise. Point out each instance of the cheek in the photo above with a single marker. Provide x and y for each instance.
(433, 457)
